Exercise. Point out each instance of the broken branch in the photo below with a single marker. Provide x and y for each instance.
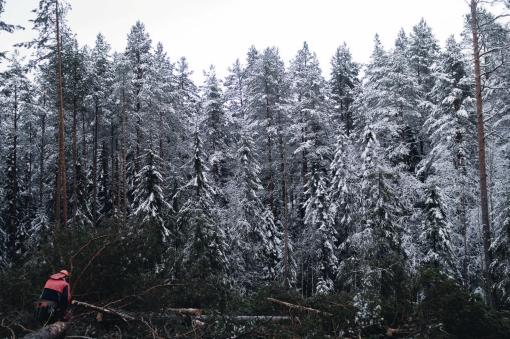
(120, 314)
(299, 307)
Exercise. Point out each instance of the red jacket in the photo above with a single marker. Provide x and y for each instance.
(56, 289)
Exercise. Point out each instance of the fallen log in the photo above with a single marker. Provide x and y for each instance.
(244, 318)
(299, 307)
(124, 316)
(238, 318)
(194, 313)
(53, 331)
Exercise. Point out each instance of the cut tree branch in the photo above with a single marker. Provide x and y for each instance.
(245, 318)
(120, 314)
(299, 307)
(82, 248)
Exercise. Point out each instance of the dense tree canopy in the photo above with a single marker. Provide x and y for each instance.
(356, 183)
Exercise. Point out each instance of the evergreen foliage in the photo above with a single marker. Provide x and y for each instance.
(358, 188)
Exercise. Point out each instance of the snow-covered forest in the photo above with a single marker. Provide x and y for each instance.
(363, 185)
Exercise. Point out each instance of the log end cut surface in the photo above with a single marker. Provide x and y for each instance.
(52, 331)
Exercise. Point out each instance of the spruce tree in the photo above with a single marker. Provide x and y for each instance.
(149, 221)
(436, 237)
(259, 239)
(310, 128)
(448, 128)
(204, 252)
(321, 236)
(16, 90)
(378, 258)
(500, 266)
(344, 202)
(149, 204)
(267, 107)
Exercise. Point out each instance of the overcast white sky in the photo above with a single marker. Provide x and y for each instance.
(219, 31)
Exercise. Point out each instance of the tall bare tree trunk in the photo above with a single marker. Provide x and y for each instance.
(12, 224)
(61, 196)
(30, 163)
(481, 153)
(75, 166)
(94, 166)
(84, 148)
(464, 225)
(42, 155)
(285, 216)
(123, 199)
(270, 184)
(115, 168)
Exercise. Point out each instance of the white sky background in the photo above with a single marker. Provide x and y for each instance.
(220, 31)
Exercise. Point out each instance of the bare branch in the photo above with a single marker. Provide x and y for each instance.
(89, 263)
(81, 249)
(497, 17)
(494, 50)
(484, 74)
(299, 307)
(112, 311)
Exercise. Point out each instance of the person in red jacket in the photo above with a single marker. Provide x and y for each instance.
(55, 298)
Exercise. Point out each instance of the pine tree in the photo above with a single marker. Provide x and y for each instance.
(186, 101)
(104, 194)
(268, 110)
(76, 81)
(164, 121)
(187, 94)
(390, 104)
(311, 132)
(264, 94)
(5, 26)
(423, 50)
(235, 90)
(236, 97)
(216, 126)
(101, 80)
(138, 52)
(49, 21)
(342, 86)
(122, 87)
